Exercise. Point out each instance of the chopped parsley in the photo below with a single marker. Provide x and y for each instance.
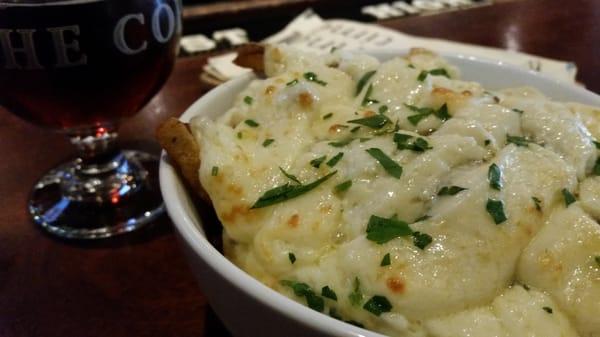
(435, 72)
(596, 143)
(421, 240)
(418, 144)
(496, 209)
(327, 116)
(317, 161)
(367, 100)
(381, 230)
(495, 177)
(292, 82)
(290, 176)
(356, 295)
(354, 129)
(342, 142)
(596, 169)
(286, 192)
(386, 261)
(569, 198)
(328, 293)
(313, 300)
(251, 123)
(538, 203)
(517, 140)
(239, 135)
(363, 81)
(292, 257)
(487, 142)
(215, 171)
(519, 111)
(450, 190)
(342, 187)
(423, 218)
(248, 100)
(547, 309)
(383, 109)
(310, 76)
(597, 259)
(268, 142)
(378, 305)
(335, 159)
(441, 113)
(373, 122)
(388, 164)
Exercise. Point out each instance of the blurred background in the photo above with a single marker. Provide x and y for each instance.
(220, 24)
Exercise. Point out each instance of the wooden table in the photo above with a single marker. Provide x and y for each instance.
(139, 284)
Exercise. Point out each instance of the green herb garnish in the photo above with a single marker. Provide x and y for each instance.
(450, 190)
(251, 123)
(418, 144)
(354, 129)
(381, 230)
(422, 218)
(487, 142)
(519, 111)
(373, 122)
(215, 171)
(317, 161)
(378, 305)
(327, 116)
(383, 109)
(292, 82)
(356, 295)
(421, 240)
(335, 159)
(292, 257)
(538, 203)
(290, 176)
(389, 165)
(313, 300)
(328, 293)
(496, 209)
(495, 177)
(517, 140)
(342, 142)
(239, 135)
(596, 143)
(248, 100)
(310, 76)
(597, 259)
(268, 142)
(363, 81)
(569, 198)
(547, 309)
(367, 100)
(342, 187)
(441, 113)
(435, 72)
(596, 169)
(386, 261)
(287, 192)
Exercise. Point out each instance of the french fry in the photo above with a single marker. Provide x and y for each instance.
(251, 56)
(181, 146)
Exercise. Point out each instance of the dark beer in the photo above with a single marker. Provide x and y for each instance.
(77, 63)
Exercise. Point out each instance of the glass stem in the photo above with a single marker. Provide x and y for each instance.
(101, 173)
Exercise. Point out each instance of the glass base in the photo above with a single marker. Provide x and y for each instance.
(66, 203)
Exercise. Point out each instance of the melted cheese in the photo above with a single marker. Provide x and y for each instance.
(465, 274)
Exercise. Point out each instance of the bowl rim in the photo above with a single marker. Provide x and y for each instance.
(171, 186)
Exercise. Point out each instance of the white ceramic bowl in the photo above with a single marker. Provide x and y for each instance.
(246, 306)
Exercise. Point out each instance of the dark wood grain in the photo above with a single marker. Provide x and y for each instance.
(139, 284)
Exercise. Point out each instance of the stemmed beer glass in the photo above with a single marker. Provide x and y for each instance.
(79, 66)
